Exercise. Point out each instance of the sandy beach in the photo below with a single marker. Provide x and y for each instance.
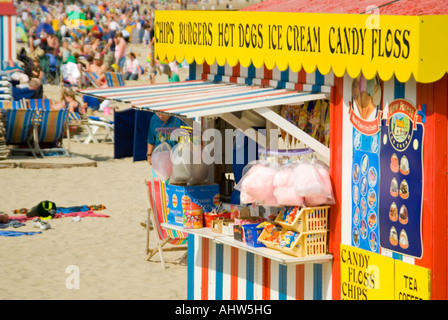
(110, 253)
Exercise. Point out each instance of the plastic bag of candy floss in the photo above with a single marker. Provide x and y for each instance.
(161, 161)
(312, 181)
(327, 197)
(307, 180)
(284, 188)
(257, 183)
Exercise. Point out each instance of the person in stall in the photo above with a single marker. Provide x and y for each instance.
(160, 120)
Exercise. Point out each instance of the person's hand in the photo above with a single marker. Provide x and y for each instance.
(149, 159)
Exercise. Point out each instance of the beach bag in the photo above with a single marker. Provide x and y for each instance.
(45, 209)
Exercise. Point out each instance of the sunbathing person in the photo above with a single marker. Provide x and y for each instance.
(99, 68)
(69, 102)
(33, 91)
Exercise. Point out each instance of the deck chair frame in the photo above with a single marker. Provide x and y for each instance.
(37, 127)
(95, 125)
(114, 79)
(91, 78)
(160, 241)
(75, 120)
(28, 134)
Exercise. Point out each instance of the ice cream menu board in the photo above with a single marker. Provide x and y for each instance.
(365, 117)
(401, 183)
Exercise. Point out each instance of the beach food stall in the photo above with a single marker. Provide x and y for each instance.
(8, 19)
(372, 81)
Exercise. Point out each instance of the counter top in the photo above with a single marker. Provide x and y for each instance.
(262, 251)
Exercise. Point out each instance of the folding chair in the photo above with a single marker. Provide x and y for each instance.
(114, 79)
(19, 123)
(92, 78)
(75, 120)
(95, 124)
(4, 105)
(49, 127)
(155, 190)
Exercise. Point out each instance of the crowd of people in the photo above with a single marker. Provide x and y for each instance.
(60, 48)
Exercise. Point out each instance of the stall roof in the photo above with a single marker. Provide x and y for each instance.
(7, 8)
(202, 98)
(403, 39)
(386, 7)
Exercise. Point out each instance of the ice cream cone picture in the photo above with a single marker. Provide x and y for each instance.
(393, 212)
(404, 243)
(404, 189)
(394, 163)
(403, 216)
(393, 236)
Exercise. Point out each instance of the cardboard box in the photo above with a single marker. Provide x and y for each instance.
(207, 196)
(222, 226)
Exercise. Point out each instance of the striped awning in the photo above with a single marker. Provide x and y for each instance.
(202, 98)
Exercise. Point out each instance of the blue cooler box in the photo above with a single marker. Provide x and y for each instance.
(206, 196)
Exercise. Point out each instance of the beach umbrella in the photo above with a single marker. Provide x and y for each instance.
(75, 15)
(21, 34)
(45, 27)
(97, 31)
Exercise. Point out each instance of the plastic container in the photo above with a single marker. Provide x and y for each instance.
(308, 219)
(193, 216)
(208, 218)
(251, 234)
(307, 244)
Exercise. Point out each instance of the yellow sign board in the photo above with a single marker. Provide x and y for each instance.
(339, 42)
(412, 282)
(366, 275)
(370, 276)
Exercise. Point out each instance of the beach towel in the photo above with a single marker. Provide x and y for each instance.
(12, 223)
(85, 214)
(7, 233)
(82, 208)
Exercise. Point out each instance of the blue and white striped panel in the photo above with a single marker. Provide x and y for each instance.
(285, 282)
(7, 38)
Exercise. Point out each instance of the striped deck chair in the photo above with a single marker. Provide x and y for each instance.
(114, 79)
(157, 212)
(40, 104)
(11, 105)
(92, 78)
(49, 129)
(19, 123)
